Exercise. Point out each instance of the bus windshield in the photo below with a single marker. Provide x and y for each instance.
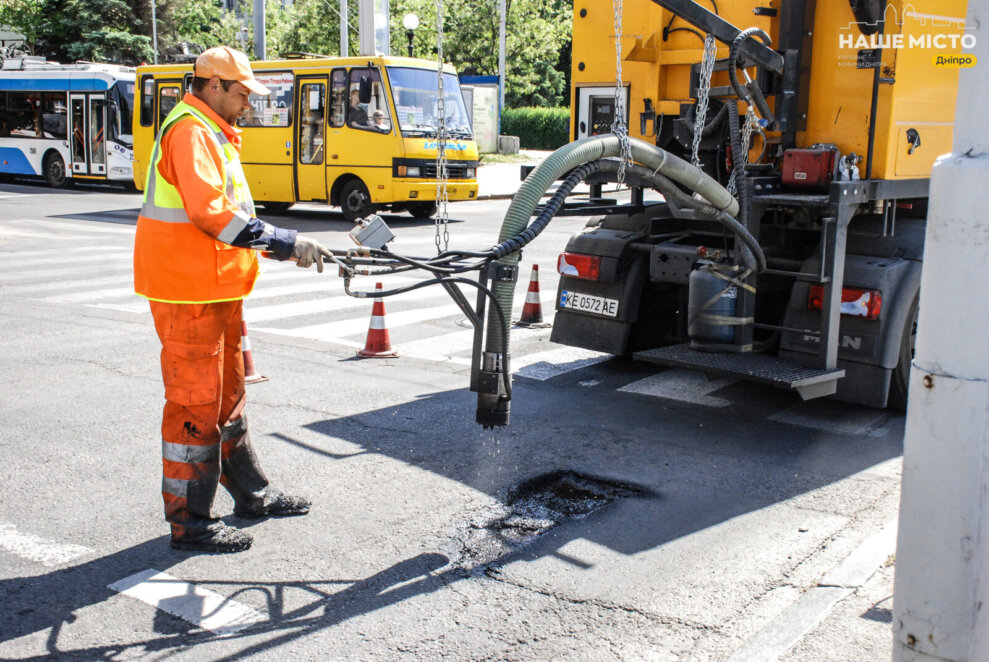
(416, 92)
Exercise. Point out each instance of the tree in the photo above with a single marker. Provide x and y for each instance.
(108, 31)
(536, 31)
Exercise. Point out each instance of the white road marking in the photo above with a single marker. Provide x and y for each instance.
(682, 385)
(551, 363)
(91, 226)
(24, 263)
(35, 548)
(63, 274)
(32, 288)
(333, 331)
(10, 256)
(199, 606)
(832, 416)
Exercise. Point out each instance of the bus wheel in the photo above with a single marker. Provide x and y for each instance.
(421, 210)
(897, 400)
(355, 201)
(54, 168)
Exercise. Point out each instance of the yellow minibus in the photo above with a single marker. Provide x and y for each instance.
(359, 133)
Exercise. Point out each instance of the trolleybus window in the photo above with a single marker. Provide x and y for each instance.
(274, 109)
(33, 114)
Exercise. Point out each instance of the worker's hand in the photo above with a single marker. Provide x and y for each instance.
(307, 251)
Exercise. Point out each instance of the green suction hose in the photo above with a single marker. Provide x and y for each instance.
(493, 402)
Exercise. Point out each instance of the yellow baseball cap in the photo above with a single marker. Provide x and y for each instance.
(228, 64)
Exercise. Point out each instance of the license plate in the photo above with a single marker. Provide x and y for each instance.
(588, 303)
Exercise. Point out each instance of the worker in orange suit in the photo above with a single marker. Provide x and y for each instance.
(195, 259)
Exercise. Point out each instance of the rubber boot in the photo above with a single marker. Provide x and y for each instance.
(245, 480)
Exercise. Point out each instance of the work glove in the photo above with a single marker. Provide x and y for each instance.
(306, 251)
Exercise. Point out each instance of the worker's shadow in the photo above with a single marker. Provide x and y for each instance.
(49, 602)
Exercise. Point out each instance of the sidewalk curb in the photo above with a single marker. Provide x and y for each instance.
(790, 626)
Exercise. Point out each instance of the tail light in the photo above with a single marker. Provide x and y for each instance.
(854, 302)
(577, 265)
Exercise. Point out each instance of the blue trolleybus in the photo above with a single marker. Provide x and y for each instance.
(66, 122)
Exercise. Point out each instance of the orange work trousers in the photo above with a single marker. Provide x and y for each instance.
(205, 440)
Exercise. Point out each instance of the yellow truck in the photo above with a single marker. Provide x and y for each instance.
(824, 119)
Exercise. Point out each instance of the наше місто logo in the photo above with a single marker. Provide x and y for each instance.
(903, 28)
(929, 31)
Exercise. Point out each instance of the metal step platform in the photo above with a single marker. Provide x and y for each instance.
(809, 382)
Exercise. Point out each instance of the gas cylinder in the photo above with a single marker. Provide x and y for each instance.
(712, 302)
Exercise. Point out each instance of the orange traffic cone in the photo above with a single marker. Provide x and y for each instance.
(378, 343)
(250, 374)
(532, 311)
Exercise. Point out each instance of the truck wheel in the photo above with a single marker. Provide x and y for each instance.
(900, 381)
(355, 201)
(422, 210)
(54, 170)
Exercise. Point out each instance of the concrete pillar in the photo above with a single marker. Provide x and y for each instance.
(941, 592)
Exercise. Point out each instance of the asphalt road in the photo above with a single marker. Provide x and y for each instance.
(627, 513)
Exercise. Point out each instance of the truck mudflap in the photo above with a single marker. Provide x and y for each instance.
(868, 349)
(599, 314)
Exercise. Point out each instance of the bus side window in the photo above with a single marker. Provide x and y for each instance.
(311, 123)
(338, 97)
(147, 100)
(168, 98)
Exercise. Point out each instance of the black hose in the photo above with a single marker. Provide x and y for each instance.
(742, 93)
(711, 126)
(738, 165)
(751, 253)
(512, 244)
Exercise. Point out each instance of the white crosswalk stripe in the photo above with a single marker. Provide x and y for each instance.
(424, 324)
(197, 605)
(683, 385)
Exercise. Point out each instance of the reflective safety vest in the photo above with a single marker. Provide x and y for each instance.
(175, 261)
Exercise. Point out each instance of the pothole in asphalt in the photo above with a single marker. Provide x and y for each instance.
(535, 507)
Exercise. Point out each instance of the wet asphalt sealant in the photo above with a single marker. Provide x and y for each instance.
(533, 508)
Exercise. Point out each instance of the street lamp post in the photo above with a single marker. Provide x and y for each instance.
(154, 30)
(411, 22)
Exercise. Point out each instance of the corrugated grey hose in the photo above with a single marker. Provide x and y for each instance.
(492, 407)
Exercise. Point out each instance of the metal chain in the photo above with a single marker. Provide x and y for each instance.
(442, 198)
(747, 127)
(703, 96)
(618, 124)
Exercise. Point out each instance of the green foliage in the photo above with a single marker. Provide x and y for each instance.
(537, 34)
(537, 128)
(107, 31)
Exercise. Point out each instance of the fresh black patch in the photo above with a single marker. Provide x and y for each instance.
(535, 507)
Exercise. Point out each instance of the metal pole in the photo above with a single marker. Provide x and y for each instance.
(344, 29)
(259, 40)
(365, 25)
(501, 60)
(941, 590)
(154, 30)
